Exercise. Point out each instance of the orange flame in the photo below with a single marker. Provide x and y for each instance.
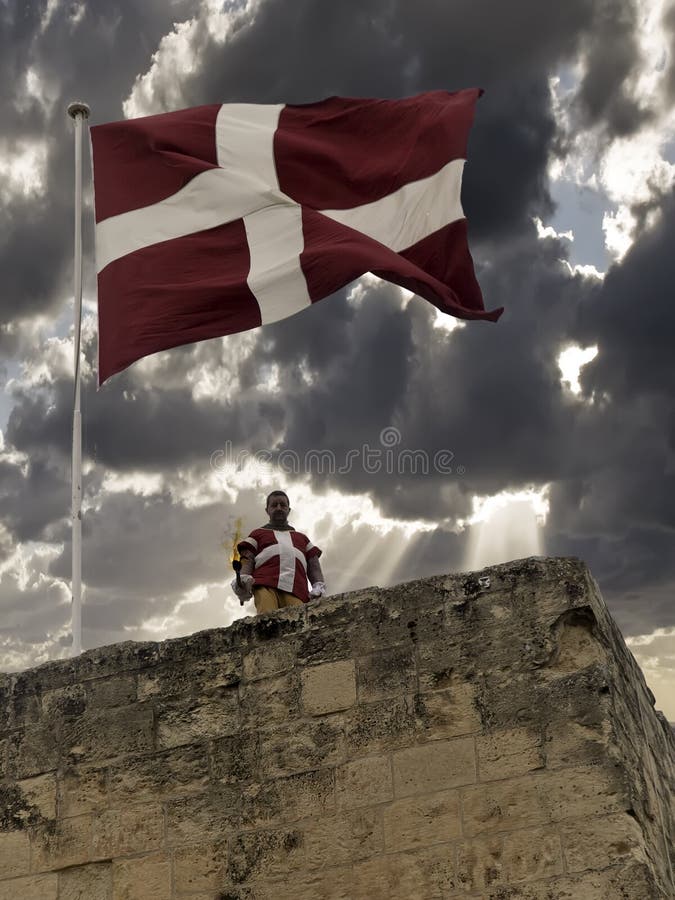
(234, 555)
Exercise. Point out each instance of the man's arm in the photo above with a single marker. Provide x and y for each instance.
(315, 576)
(247, 562)
(314, 572)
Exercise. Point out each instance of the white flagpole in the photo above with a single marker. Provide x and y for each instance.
(78, 112)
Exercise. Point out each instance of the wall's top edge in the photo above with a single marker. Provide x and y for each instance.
(459, 587)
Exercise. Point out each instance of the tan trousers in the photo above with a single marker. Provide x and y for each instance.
(267, 599)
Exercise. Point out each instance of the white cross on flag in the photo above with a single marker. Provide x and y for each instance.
(217, 219)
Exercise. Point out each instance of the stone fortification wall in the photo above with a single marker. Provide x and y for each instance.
(438, 739)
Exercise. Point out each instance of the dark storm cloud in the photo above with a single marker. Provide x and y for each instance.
(34, 494)
(95, 59)
(634, 316)
(612, 59)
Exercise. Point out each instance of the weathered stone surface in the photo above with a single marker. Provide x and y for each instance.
(541, 799)
(128, 829)
(509, 752)
(389, 673)
(434, 767)
(447, 713)
(166, 774)
(207, 816)
(440, 739)
(421, 821)
(343, 838)
(426, 873)
(190, 722)
(108, 733)
(14, 854)
(91, 882)
(289, 799)
(364, 782)
(201, 867)
(146, 878)
(270, 701)
(329, 687)
(81, 789)
(35, 887)
(67, 843)
(303, 745)
(236, 759)
(40, 794)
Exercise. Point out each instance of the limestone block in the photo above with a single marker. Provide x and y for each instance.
(434, 767)
(509, 752)
(270, 701)
(35, 887)
(288, 800)
(421, 821)
(108, 692)
(40, 794)
(329, 687)
(343, 838)
(135, 828)
(259, 855)
(62, 703)
(14, 854)
(540, 799)
(480, 864)
(168, 774)
(90, 882)
(184, 678)
(441, 658)
(17, 812)
(384, 725)
(594, 843)
(327, 884)
(193, 721)
(68, 843)
(629, 882)
(531, 854)
(144, 878)
(448, 713)
(388, 673)
(32, 751)
(324, 645)
(270, 659)
(82, 790)
(427, 874)
(207, 817)
(109, 733)
(570, 743)
(200, 868)
(364, 782)
(303, 745)
(236, 759)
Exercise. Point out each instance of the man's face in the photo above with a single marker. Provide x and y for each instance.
(278, 509)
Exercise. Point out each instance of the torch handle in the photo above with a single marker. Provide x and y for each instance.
(236, 565)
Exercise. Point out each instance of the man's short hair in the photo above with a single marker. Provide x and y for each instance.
(276, 494)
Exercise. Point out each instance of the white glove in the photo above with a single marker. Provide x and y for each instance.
(318, 590)
(245, 592)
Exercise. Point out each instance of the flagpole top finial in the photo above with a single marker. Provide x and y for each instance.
(78, 108)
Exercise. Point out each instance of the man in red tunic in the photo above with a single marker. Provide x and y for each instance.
(277, 560)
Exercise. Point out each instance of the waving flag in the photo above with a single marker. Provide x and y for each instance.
(217, 219)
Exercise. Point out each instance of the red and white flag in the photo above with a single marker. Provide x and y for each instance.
(221, 218)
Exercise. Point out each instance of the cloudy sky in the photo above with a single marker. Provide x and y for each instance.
(410, 444)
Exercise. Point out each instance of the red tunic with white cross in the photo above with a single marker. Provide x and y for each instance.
(280, 559)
